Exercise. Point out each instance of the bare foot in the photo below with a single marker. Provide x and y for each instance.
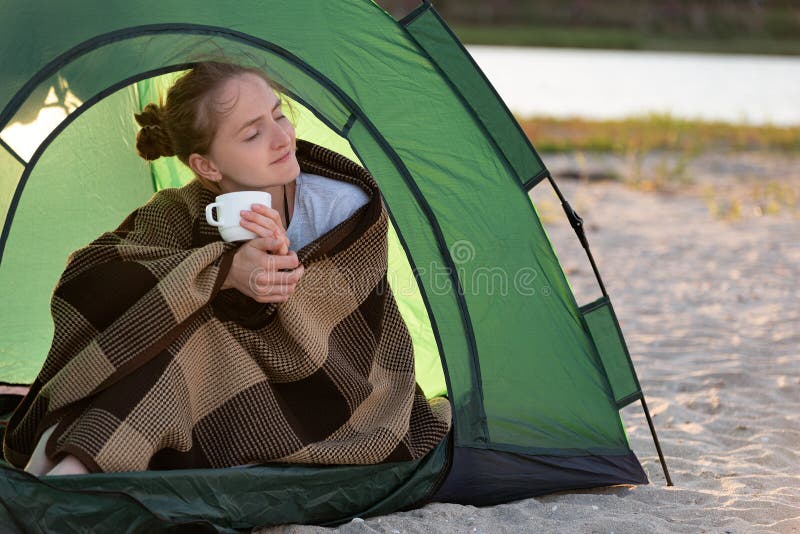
(15, 390)
(39, 464)
(69, 465)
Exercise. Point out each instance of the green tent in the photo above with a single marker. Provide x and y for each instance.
(535, 379)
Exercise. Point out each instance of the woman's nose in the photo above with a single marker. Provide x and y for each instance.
(281, 135)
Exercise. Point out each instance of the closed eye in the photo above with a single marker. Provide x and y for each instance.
(258, 132)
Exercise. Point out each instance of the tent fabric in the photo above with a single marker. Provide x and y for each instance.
(494, 322)
(214, 500)
(603, 326)
(482, 477)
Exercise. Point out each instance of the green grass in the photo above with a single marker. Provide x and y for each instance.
(761, 198)
(655, 132)
(622, 39)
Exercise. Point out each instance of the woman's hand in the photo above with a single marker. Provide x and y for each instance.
(258, 265)
(265, 222)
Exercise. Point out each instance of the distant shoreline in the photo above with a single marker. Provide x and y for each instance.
(622, 39)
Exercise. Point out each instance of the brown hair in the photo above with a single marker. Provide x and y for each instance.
(188, 121)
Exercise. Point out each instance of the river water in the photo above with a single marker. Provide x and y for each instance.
(562, 82)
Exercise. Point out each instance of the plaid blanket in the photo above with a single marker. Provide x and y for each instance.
(153, 366)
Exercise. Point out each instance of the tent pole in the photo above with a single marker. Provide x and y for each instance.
(577, 224)
(655, 440)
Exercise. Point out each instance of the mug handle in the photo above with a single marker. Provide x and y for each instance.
(210, 217)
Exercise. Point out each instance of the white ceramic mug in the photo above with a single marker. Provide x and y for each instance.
(228, 207)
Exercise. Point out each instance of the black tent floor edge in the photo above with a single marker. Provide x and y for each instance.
(486, 477)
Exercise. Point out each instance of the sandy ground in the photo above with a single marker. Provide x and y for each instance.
(711, 312)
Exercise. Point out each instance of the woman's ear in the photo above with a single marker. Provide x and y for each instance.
(204, 167)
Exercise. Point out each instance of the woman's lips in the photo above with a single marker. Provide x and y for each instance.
(285, 157)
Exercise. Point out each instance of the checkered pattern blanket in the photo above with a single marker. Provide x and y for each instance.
(153, 366)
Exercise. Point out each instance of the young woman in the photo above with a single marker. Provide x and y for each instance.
(226, 123)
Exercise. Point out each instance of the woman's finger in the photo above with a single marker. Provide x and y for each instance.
(252, 220)
(271, 213)
(271, 298)
(260, 218)
(284, 248)
(289, 260)
(269, 244)
(281, 277)
(261, 286)
(259, 230)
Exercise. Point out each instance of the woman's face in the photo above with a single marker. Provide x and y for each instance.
(254, 148)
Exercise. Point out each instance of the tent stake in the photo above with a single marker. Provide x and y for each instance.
(655, 440)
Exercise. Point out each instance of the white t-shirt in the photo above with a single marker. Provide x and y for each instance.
(320, 203)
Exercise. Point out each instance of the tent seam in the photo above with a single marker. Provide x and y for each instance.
(536, 180)
(419, 10)
(12, 152)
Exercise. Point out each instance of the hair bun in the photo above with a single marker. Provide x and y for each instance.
(151, 115)
(153, 140)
